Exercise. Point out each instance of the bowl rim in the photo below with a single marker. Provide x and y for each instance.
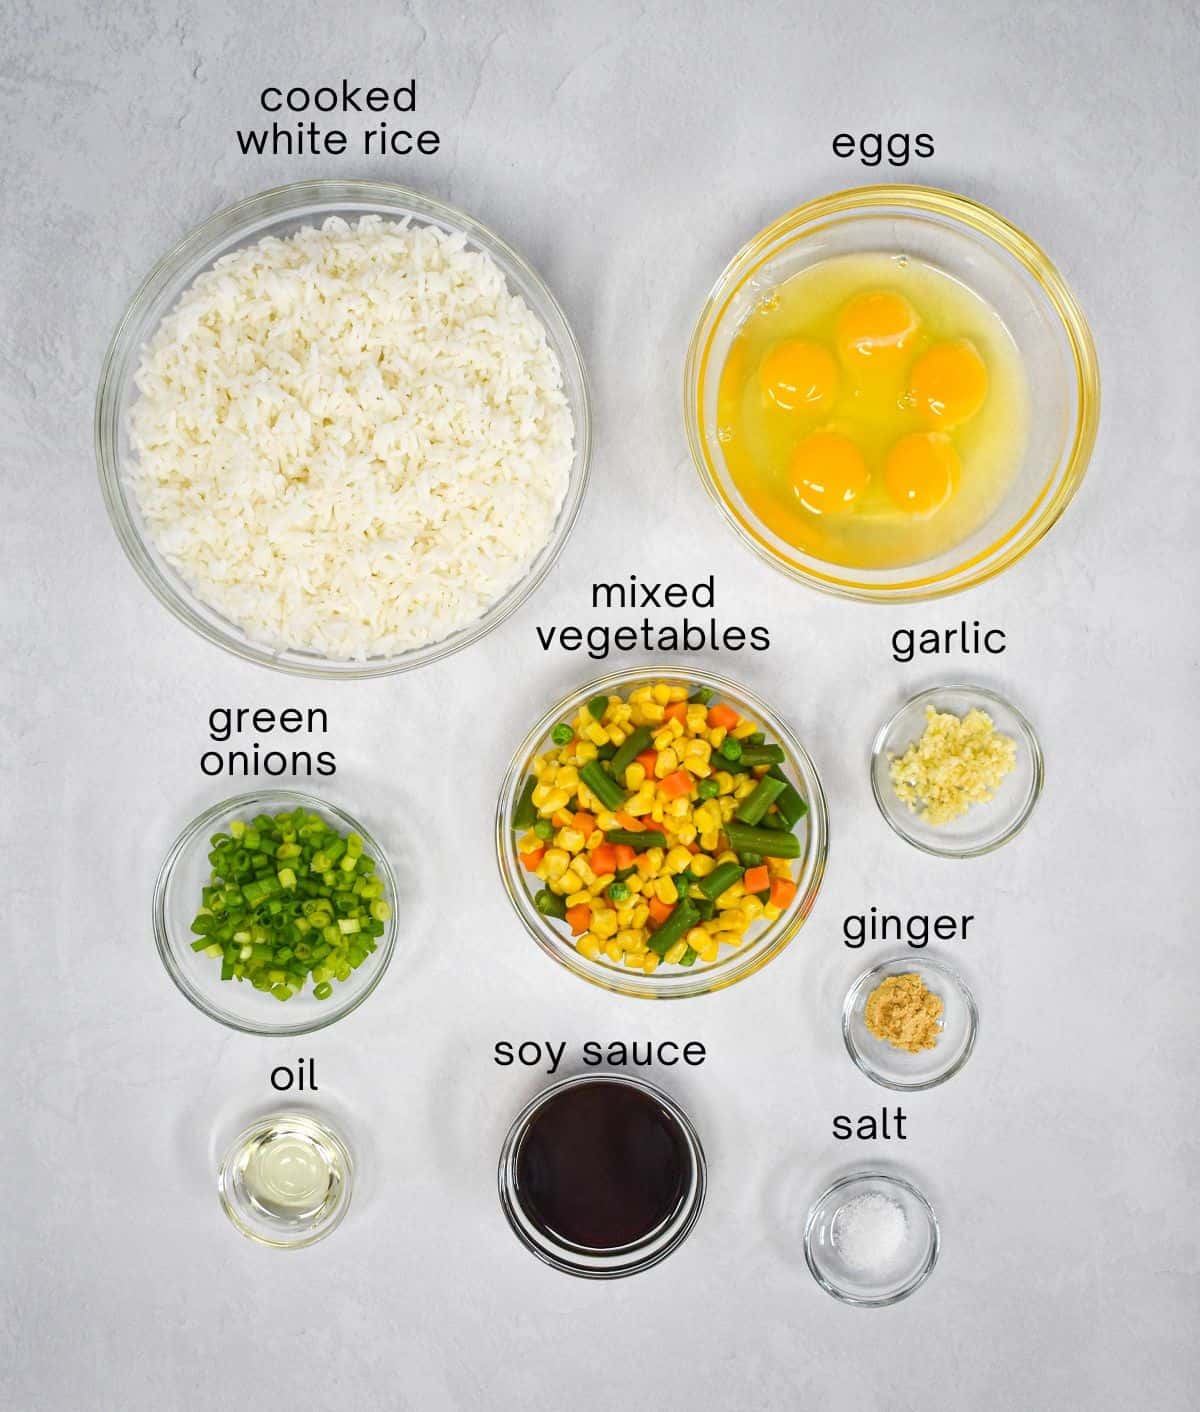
(202, 824)
(1037, 761)
(874, 1174)
(938, 967)
(332, 194)
(571, 1259)
(744, 962)
(235, 1145)
(1058, 489)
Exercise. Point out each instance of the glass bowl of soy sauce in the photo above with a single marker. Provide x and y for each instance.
(602, 1176)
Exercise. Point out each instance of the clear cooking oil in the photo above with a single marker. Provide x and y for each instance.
(285, 1181)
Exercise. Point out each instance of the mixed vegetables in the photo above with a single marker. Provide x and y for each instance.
(289, 898)
(660, 826)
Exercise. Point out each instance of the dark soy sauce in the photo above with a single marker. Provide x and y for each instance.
(602, 1165)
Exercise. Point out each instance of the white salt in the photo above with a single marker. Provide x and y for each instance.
(870, 1231)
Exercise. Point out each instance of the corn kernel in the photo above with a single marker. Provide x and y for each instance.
(641, 915)
(596, 733)
(724, 782)
(654, 862)
(584, 869)
(555, 799)
(686, 832)
(711, 951)
(616, 735)
(588, 945)
(650, 962)
(697, 938)
(633, 959)
(716, 736)
(625, 916)
(732, 895)
(529, 843)
(675, 952)
(664, 738)
(666, 763)
(635, 777)
(666, 891)
(701, 865)
(571, 881)
(679, 809)
(661, 693)
(709, 840)
(771, 912)
(634, 883)
(556, 861)
(574, 899)
(604, 922)
(612, 950)
(677, 859)
(570, 839)
(605, 820)
(639, 694)
(743, 729)
(566, 777)
(652, 711)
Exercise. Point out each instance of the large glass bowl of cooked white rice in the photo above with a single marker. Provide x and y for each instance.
(342, 429)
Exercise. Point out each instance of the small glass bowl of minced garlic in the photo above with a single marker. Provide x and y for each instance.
(956, 771)
(910, 1022)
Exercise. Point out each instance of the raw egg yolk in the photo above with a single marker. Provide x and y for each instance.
(949, 383)
(921, 472)
(874, 331)
(799, 376)
(828, 472)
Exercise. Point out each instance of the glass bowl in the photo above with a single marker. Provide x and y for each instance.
(984, 826)
(899, 1277)
(585, 1261)
(237, 1004)
(896, 1068)
(994, 259)
(765, 940)
(286, 1181)
(280, 212)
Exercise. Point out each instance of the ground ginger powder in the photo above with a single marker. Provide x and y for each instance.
(901, 1011)
(956, 763)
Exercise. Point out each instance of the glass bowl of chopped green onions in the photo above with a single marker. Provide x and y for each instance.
(274, 913)
(655, 859)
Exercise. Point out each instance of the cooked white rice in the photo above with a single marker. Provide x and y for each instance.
(353, 441)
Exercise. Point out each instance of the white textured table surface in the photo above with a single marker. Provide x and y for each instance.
(627, 150)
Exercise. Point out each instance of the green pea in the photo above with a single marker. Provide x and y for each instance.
(562, 734)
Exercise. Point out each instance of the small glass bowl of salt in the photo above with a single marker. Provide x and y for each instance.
(871, 1239)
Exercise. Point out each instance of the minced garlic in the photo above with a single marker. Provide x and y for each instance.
(956, 763)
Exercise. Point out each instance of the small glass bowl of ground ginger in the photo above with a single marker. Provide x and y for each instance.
(956, 771)
(909, 1024)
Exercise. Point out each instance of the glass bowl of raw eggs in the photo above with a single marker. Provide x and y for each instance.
(891, 393)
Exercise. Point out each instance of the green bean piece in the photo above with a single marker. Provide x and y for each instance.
(689, 957)
(638, 740)
(602, 785)
(723, 876)
(763, 841)
(791, 803)
(754, 806)
(550, 904)
(774, 820)
(702, 694)
(706, 907)
(683, 917)
(753, 755)
(756, 738)
(524, 815)
(651, 838)
(606, 752)
(597, 707)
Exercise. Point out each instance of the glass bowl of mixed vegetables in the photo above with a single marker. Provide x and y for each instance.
(274, 913)
(662, 835)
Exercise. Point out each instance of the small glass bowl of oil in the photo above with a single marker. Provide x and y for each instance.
(286, 1180)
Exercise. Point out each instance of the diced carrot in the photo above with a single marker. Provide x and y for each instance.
(630, 822)
(676, 711)
(584, 822)
(692, 847)
(625, 855)
(603, 859)
(659, 911)
(579, 918)
(533, 858)
(756, 879)
(647, 760)
(723, 715)
(783, 890)
(676, 785)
